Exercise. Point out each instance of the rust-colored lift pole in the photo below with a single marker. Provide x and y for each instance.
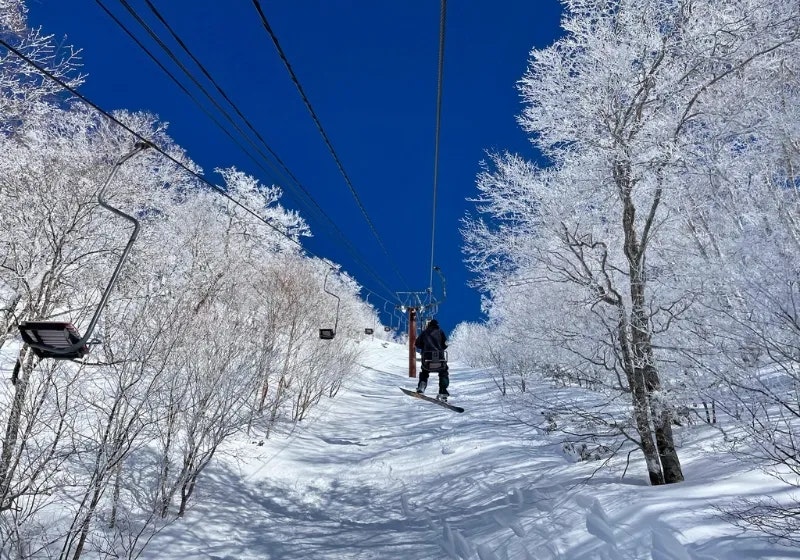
(412, 338)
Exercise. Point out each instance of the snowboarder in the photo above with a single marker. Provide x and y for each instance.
(432, 340)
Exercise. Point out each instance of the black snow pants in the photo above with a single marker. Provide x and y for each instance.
(444, 379)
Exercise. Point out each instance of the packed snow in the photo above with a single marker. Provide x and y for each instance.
(372, 473)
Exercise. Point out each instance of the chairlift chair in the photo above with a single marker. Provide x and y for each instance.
(444, 284)
(369, 331)
(328, 334)
(53, 339)
(61, 340)
(434, 360)
(399, 318)
(390, 314)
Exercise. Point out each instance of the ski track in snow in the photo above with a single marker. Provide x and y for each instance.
(375, 474)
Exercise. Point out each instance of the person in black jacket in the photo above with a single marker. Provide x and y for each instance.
(433, 339)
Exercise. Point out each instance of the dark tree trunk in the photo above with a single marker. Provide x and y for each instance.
(646, 370)
(641, 347)
(651, 454)
(639, 398)
(25, 363)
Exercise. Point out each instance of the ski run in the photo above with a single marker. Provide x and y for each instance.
(372, 474)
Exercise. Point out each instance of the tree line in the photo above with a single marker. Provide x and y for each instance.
(211, 330)
(646, 254)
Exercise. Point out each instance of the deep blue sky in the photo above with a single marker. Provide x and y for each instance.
(369, 69)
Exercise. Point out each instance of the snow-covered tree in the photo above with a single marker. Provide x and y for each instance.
(214, 319)
(628, 109)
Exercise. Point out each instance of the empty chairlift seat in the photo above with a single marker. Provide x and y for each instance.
(61, 340)
(49, 339)
(327, 334)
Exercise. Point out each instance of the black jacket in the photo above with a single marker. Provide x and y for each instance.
(432, 338)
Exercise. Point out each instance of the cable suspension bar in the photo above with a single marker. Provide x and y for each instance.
(439, 87)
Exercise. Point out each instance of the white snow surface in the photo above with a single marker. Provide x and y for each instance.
(375, 474)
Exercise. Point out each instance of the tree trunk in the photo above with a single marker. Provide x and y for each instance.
(639, 397)
(87, 521)
(12, 427)
(665, 442)
(661, 413)
(645, 369)
(112, 523)
(651, 455)
(641, 347)
(275, 406)
(9, 319)
(186, 493)
(165, 495)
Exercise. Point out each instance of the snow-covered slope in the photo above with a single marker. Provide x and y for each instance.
(374, 474)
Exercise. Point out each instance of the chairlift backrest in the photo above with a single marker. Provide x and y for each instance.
(368, 331)
(434, 360)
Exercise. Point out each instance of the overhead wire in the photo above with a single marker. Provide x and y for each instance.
(205, 72)
(326, 139)
(285, 174)
(439, 89)
(177, 82)
(157, 148)
(112, 118)
(371, 293)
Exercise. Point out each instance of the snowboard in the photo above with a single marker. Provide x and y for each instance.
(430, 399)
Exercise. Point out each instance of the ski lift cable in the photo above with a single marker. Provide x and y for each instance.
(141, 138)
(326, 139)
(160, 150)
(153, 35)
(180, 164)
(439, 88)
(284, 173)
(177, 82)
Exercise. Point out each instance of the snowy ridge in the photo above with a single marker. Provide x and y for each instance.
(373, 474)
